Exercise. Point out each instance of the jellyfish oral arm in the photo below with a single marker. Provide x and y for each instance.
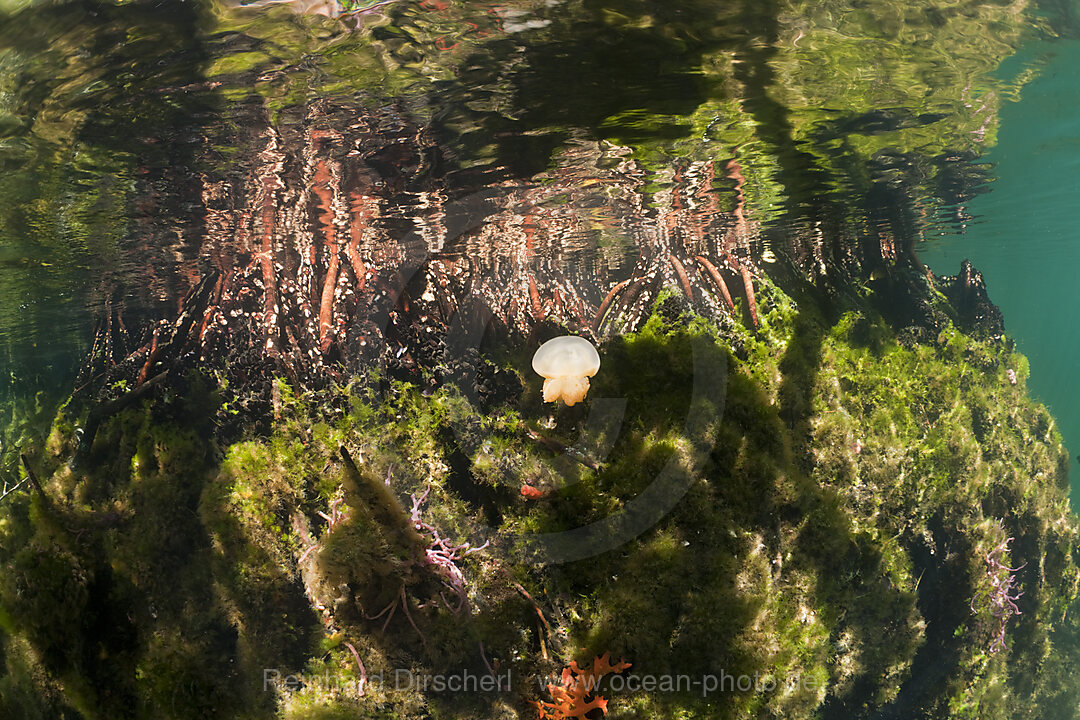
(569, 389)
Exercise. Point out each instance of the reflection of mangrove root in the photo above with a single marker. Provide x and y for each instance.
(625, 304)
(748, 288)
(598, 319)
(683, 279)
(718, 279)
(343, 252)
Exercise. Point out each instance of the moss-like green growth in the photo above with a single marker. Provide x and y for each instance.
(833, 495)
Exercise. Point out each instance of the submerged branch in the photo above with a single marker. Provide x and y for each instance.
(106, 410)
(34, 481)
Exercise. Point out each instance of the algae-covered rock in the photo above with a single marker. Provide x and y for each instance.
(833, 500)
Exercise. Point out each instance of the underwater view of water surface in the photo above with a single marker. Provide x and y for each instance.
(1021, 235)
(537, 359)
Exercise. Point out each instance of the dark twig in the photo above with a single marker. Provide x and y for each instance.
(13, 488)
(558, 447)
(34, 481)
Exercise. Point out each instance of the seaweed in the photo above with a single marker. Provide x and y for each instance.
(833, 528)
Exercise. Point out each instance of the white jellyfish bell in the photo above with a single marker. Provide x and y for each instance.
(567, 363)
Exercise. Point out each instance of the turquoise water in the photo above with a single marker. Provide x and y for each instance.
(1023, 233)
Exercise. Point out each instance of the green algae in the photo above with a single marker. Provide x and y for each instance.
(829, 544)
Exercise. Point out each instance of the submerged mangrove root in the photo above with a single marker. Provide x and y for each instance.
(105, 410)
(311, 270)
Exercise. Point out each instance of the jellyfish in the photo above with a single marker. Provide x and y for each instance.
(566, 363)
